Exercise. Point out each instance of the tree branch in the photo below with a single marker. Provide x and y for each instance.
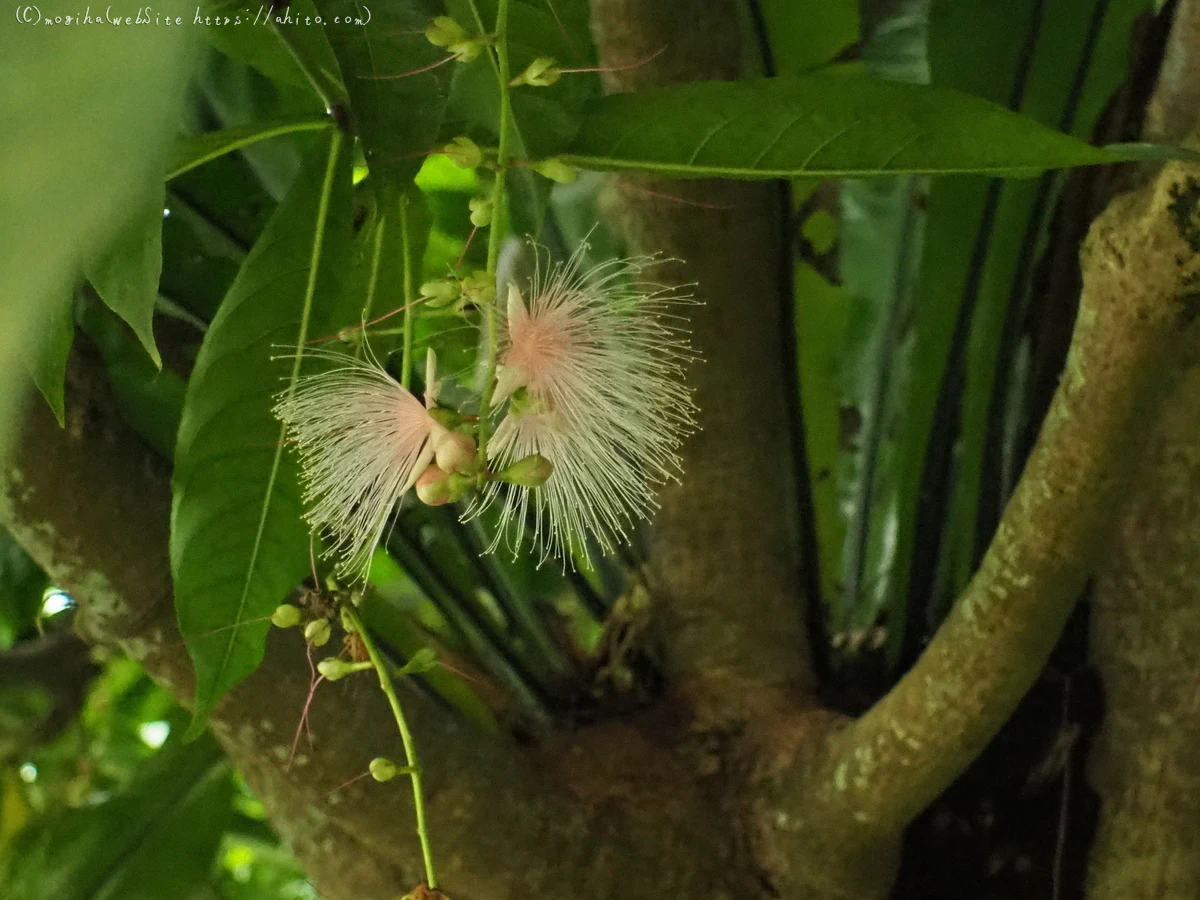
(597, 813)
(1136, 318)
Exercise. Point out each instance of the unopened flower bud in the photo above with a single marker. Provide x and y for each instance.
(433, 487)
(285, 616)
(481, 211)
(441, 292)
(542, 72)
(383, 769)
(464, 152)
(348, 625)
(531, 471)
(556, 170)
(465, 51)
(454, 452)
(334, 669)
(479, 288)
(444, 31)
(317, 632)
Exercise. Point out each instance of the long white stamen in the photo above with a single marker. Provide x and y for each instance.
(602, 358)
(363, 440)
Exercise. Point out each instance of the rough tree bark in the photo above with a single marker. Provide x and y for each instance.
(1145, 633)
(737, 785)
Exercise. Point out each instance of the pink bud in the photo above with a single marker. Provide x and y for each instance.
(433, 486)
(454, 452)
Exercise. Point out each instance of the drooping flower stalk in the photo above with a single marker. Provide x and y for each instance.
(592, 365)
(363, 441)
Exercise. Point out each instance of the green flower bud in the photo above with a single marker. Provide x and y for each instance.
(531, 471)
(383, 769)
(440, 293)
(466, 51)
(347, 620)
(479, 288)
(556, 170)
(464, 152)
(481, 211)
(444, 31)
(317, 632)
(335, 669)
(285, 616)
(542, 72)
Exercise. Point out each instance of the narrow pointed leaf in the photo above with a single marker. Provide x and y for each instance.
(238, 543)
(201, 148)
(126, 274)
(827, 124)
(47, 363)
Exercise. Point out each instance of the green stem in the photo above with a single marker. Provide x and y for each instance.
(412, 764)
(409, 296)
(373, 281)
(498, 216)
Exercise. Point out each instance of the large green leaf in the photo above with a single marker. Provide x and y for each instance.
(238, 543)
(75, 148)
(154, 840)
(827, 124)
(126, 274)
(397, 116)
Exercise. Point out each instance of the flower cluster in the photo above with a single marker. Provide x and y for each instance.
(589, 406)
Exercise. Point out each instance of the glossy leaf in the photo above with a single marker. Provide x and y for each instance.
(824, 124)
(238, 543)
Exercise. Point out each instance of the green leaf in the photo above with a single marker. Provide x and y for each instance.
(248, 40)
(126, 274)
(297, 26)
(48, 362)
(379, 277)
(807, 34)
(831, 125)
(424, 660)
(75, 149)
(154, 840)
(22, 584)
(238, 543)
(397, 116)
(197, 150)
(150, 399)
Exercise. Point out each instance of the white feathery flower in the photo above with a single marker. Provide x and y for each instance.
(593, 366)
(363, 440)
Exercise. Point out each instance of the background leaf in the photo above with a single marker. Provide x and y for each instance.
(397, 118)
(154, 840)
(66, 192)
(126, 274)
(47, 359)
(824, 124)
(238, 543)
